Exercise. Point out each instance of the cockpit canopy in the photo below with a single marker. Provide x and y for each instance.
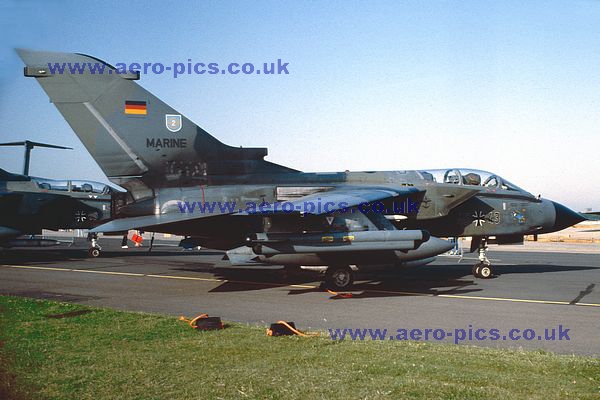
(471, 177)
(73, 186)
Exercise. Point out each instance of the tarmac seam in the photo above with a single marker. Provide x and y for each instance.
(176, 277)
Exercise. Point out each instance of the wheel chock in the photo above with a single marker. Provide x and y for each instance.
(283, 328)
(203, 322)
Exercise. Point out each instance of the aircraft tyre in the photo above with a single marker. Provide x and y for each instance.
(482, 271)
(485, 271)
(339, 277)
(94, 252)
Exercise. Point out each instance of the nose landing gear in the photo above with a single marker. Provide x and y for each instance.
(483, 269)
(95, 249)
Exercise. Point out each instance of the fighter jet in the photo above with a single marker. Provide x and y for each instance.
(29, 204)
(184, 181)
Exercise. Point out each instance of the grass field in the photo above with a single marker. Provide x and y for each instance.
(105, 354)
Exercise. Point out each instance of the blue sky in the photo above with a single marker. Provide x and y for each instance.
(509, 87)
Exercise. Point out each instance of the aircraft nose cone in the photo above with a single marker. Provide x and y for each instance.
(565, 217)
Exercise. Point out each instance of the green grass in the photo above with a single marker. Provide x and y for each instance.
(106, 354)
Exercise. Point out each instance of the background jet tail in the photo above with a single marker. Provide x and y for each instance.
(138, 140)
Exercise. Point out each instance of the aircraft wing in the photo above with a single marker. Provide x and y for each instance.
(334, 200)
(150, 223)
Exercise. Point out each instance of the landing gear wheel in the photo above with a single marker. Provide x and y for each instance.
(482, 270)
(339, 277)
(94, 252)
(485, 271)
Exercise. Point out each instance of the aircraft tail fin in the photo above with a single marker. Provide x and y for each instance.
(137, 139)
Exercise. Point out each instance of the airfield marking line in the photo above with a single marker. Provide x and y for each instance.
(91, 271)
(587, 304)
(458, 296)
(192, 278)
(34, 267)
(304, 286)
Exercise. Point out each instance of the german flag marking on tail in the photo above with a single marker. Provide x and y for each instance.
(135, 107)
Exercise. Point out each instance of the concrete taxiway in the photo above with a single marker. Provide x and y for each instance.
(535, 289)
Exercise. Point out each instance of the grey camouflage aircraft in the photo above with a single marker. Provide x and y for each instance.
(182, 180)
(29, 204)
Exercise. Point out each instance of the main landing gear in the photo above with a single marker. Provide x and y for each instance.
(483, 269)
(95, 249)
(339, 277)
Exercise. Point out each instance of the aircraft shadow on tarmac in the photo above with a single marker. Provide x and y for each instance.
(431, 280)
(453, 279)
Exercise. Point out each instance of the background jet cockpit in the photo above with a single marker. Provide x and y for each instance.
(73, 186)
(471, 177)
